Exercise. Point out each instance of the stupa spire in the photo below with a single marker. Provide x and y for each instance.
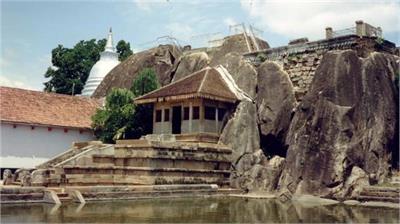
(110, 43)
(108, 60)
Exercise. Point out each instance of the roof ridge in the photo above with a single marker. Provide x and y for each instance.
(203, 80)
(52, 94)
(173, 83)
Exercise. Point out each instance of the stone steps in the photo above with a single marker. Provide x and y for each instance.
(382, 189)
(143, 162)
(378, 198)
(395, 180)
(164, 162)
(4, 198)
(76, 149)
(142, 175)
(120, 192)
(158, 191)
(380, 193)
(13, 194)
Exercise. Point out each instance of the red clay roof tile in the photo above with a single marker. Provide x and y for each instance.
(49, 109)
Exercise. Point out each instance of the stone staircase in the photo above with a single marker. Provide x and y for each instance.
(77, 148)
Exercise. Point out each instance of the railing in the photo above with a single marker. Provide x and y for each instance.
(373, 31)
(344, 32)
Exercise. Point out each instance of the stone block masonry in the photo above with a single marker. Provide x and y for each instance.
(300, 60)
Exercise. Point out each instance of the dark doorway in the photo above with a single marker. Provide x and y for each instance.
(176, 120)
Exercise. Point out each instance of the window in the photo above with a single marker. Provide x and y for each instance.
(209, 113)
(166, 115)
(158, 115)
(196, 113)
(221, 113)
(186, 113)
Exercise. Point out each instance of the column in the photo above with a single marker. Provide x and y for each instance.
(360, 28)
(190, 116)
(162, 120)
(328, 33)
(216, 119)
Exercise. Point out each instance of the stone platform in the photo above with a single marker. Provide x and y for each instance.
(185, 160)
(83, 194)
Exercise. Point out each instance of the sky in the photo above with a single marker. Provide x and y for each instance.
(31, 29)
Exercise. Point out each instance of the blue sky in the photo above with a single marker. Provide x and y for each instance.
(31, 29)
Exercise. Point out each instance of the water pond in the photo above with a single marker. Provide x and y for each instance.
(195, 210)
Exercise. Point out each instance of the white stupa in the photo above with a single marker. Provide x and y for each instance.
(108, 60)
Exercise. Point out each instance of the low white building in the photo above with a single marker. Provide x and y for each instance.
(36, 126)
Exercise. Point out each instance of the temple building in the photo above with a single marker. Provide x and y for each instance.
(108, 60)
(198, 103)
(36, 126)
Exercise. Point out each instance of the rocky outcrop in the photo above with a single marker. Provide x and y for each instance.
(235, 43)
(190, 63)
(229, 55)
(255, 173)
(161, 58)
(241, 132)
(347, 119)
(275, 102)
(244, 73)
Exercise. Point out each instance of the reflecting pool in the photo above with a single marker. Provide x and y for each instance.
(195, 210)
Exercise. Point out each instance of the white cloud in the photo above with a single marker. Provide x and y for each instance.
(4, 81)
(294, 18)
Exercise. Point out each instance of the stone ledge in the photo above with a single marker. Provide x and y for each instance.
(207, 147)
(145, 169)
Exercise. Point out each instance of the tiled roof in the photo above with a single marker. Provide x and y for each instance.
(49, 109)
(207, 83)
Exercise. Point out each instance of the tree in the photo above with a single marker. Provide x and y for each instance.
(124, 50)
(71, 66)
(112, 121)
(145, 82)
(120, 118)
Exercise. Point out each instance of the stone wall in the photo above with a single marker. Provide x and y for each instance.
(301, 60)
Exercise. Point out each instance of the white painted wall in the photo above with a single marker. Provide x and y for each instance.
(22, 141)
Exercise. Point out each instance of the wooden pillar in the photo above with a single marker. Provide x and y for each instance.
(154, 118)
(216, 118)
(201, 125)
(162, 120)
(190, 116)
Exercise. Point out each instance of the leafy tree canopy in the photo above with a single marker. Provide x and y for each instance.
(113, 120)
(120, 118)
(124, 50)
(71, 66)
(145, 82)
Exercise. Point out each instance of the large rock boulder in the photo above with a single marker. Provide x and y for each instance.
(275, 103)
(234, 43)
(229, 55)
(241, 132)
(242, 71)
(347, 119)
(161, 59)
(190, 63)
